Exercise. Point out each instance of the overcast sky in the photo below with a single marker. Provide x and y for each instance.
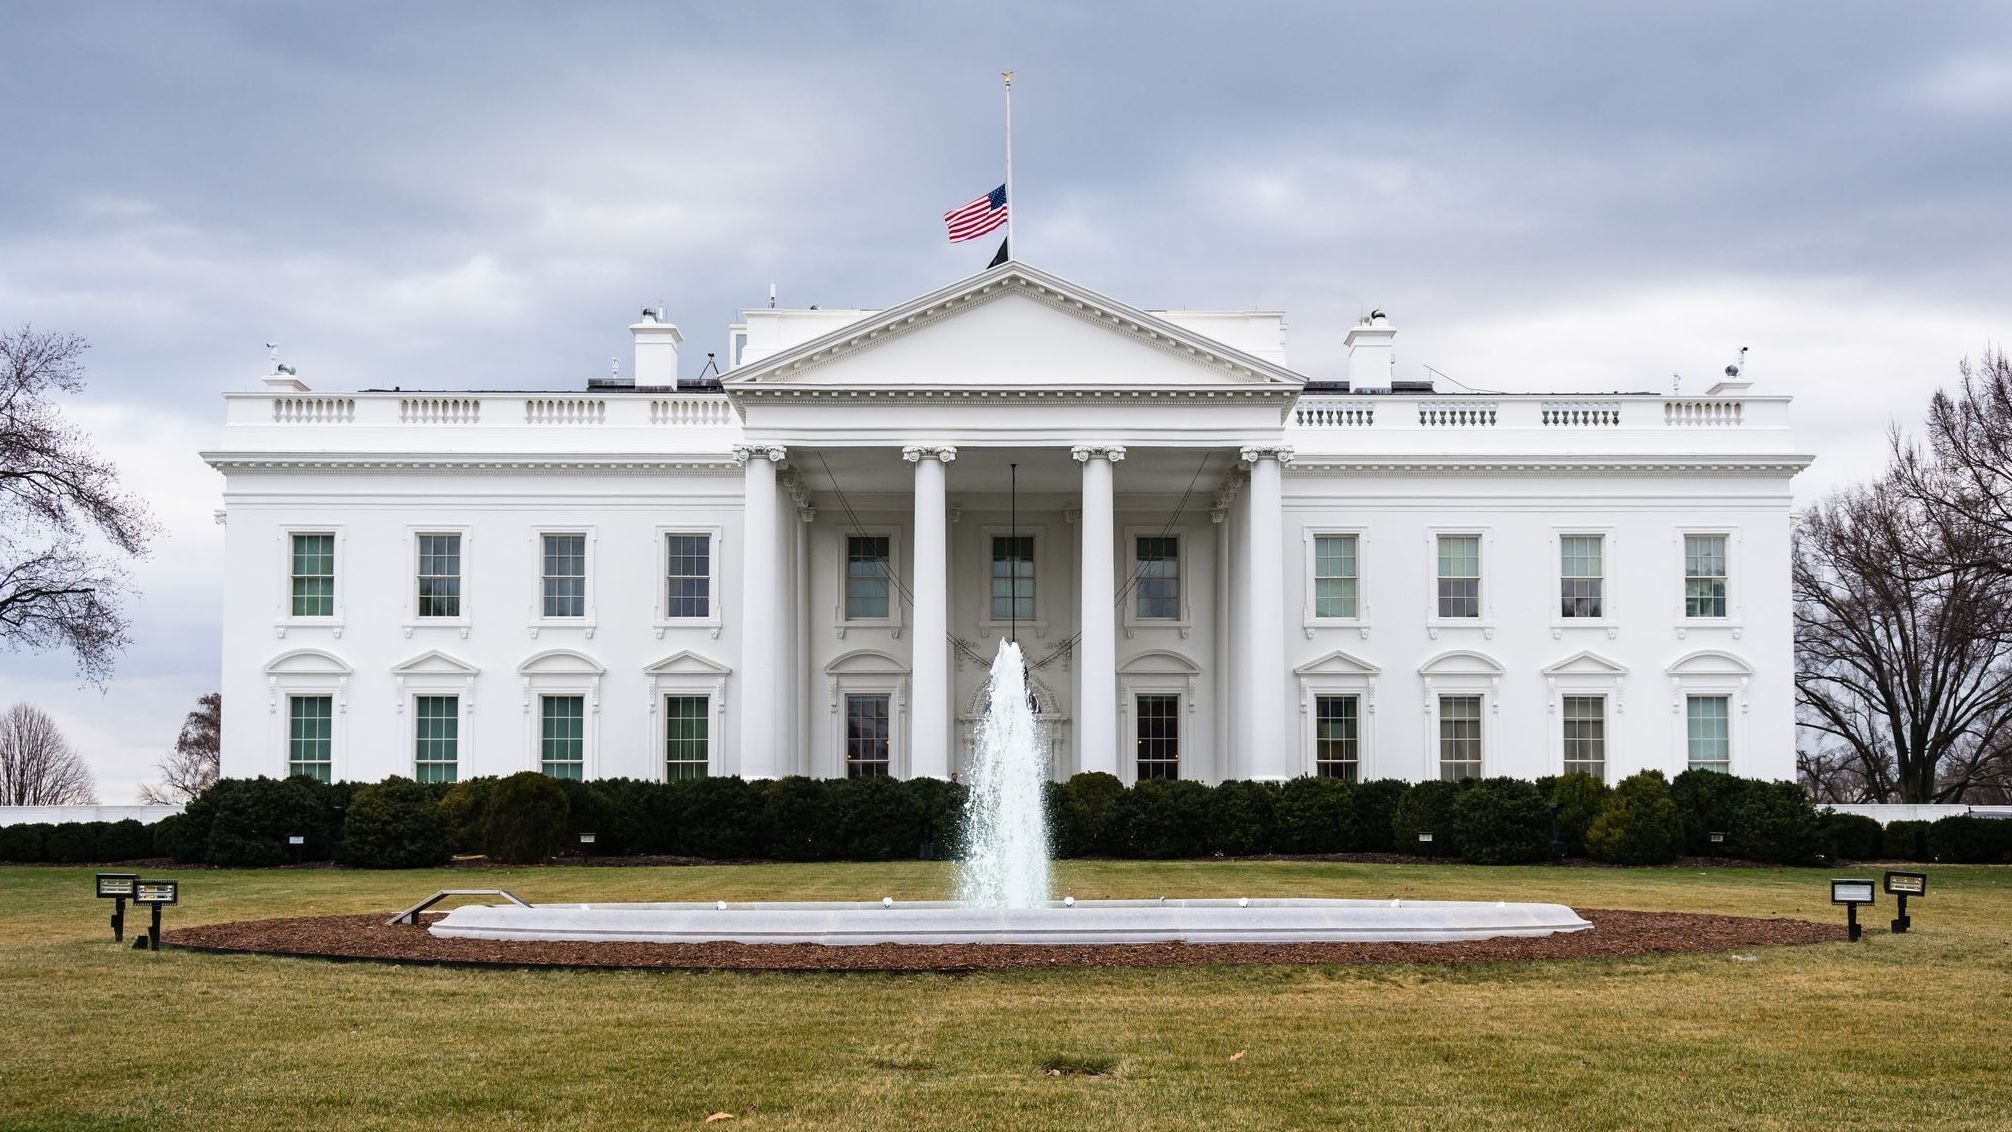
(1543, 196)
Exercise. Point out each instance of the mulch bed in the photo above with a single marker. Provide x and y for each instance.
(1615, 934)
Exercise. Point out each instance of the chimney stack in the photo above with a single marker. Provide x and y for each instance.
(1371, 358)
(656, 349)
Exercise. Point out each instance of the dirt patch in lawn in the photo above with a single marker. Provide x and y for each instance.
(1614, 934)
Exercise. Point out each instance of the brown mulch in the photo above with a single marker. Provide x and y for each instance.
(1615, 934)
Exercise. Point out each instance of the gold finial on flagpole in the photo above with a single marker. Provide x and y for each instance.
(1008, 76)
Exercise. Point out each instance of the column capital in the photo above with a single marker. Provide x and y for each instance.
(916, 453)
(1252, 453)
(774, 453)
(1084, 453)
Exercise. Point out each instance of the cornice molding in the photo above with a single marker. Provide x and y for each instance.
(1442, 464)
(326, 462)
(1019, 395)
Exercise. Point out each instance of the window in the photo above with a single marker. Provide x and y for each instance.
(1704, 575)
(440, 577)
(1158, 592)
(1159, 736)
(1460, 575)
(1459, 737)
(1708, 726)
(310, 746)
(562, 736)
(1337, 737)
(1012, 577)
(314, 575)
(436, 738)
(687, 736)
(688, 568)
(1586, 736)
(1334, 576)
(565, 576)
(868, 739)
(1581, 576)
(867, 579)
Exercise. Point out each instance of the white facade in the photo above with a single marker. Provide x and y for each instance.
(691, 600)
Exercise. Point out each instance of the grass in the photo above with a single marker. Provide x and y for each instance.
(1894, 1030)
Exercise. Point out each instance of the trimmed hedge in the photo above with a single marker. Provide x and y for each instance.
(396, 824)
(1579, 798)
(1775, 822)
(1240, 818)
(526, 820)
(1851, 837)
(1640, 824)
(1502, 821)
(1373, 816)
(1313, 815)
(1428, 808)
(1905, 840)
(25, 843)
(1706, 801)
(1966, 840)
(1164, 818)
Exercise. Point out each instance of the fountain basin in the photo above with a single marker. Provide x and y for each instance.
(1084, 922)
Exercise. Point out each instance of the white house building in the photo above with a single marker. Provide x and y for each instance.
(1217, 567)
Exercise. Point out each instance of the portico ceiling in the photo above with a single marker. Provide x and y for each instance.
(1049, 472)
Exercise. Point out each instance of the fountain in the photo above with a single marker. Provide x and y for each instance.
(1002, 887)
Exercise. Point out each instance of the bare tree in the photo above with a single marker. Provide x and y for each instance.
(1903, 648)
(196, 761)
(1962, 477)
(1832, 773)
(38, 767)
(57, 590)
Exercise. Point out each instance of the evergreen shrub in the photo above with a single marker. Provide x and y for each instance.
(395, 824)
(1312, 815)
(247, 821)
(800, 819)
(465, 807)
(1706, 800)
(1428, 808)
(526, 821)
(1905, 840)
(1639, 825)
(877, 819)
(719, 818)
(1240, 818)
(1967, 840)
(126, 840)
(1776, 823)
(1502, 821)
(1372, 810)
(1580, 798)
(25, 843)
(1165, 817)
(76, 842)
(1851, 837)
(1092, 801)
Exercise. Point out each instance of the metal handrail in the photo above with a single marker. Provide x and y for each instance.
(411, 915)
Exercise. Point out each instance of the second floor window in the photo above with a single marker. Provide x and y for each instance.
(1581, 576)
(1459, 575)
(1159, 582)
(439, 576)
(1012, 577)
(867, 579)
(1704, 575)
(565, 576)
(313, 572)
(1334, 576)
(689, 569)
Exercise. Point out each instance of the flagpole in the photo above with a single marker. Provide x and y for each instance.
(1011, 251)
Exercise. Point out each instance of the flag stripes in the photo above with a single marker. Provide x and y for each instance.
(980, 217)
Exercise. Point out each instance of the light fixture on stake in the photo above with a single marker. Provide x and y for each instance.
(1852, 893)
(117, 887)
(1900, 886)
(157, 894)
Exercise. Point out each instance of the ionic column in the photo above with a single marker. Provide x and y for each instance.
(761, 642)
(1266, 753)
(1097, 653)
(929, 670)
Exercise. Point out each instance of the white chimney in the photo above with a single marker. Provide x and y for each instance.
(1371, 357)
(656, 350)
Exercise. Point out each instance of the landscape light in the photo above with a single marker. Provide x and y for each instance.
(1901, 886)
(1851, 893)
(117, 887)
(1431, 850)
(157, 894)
(586, 839)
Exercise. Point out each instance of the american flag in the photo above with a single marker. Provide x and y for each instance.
(973, 220)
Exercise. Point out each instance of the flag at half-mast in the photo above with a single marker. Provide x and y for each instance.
(986, 214)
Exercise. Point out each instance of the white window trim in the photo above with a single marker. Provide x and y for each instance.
(584, 680)
(1435, 623)
(1734, 685)
(324, 675)
(894, 686)
(661, 622)
(538, 621)
(1362, 688)
(1042, 580)
(893, 619)
(1309, 621)
(1440, 677)
(1182, 688)
(1560, 681)
(704, 677)
(1606, 622)
(1132, 621)
(1609, 708)
(283, 618)
(411, 620)
(463, 690)
(1734, 621)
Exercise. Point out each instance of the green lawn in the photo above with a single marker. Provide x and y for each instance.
(1895, 1030)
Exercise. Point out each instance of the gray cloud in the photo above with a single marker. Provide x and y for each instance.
(1574, 196)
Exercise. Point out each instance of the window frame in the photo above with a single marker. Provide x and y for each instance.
(1710, 672)
(1606, 731)
(1482, 709)
(1734, 620)
(1606, 621)
(707, 714)
(460, 728)
(589, 619)
(1136, 715)
(1310, 618)
(287, 722)
(539, 718)
(1692, 696)
(560, 672)
(661, 619)
(845, 760)
(410, 621)
(1484, 618)
(840, 617)
(1183, 575)
(689, 673)
(1044, 579)
(1358, 762)
(284, 618)
(307, 672)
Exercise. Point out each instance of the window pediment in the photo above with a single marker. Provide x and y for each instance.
(307, 662)
(685, 662)
(1710, 662)
(1160, 662)
(1337, 663)
(865, 661)
(1585, 663)
(560, 662)
(1461, 662)
(433, 662)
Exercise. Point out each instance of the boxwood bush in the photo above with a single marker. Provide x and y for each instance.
(878, 819)
(526, 821)
(246, 822)
(1428, 808)
(1966, 840)
(1579, 798)
(25, 843)
(798, 814)
(1165, 817)
(1502, 821)
(1312, 815)
(1372, 808)
(719, 818)
(1639, 825)
(395, 824)
(1851, 837)
(1240, 818)
(76, 842)
(1905, 840)
(465, 807)
(1776, 823)
(1706, 801)
(1091, 824)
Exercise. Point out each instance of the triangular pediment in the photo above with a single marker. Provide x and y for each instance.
(433, 662)
(687, 663)
(1337, 663)
(1018, 328)
(1586, 663)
